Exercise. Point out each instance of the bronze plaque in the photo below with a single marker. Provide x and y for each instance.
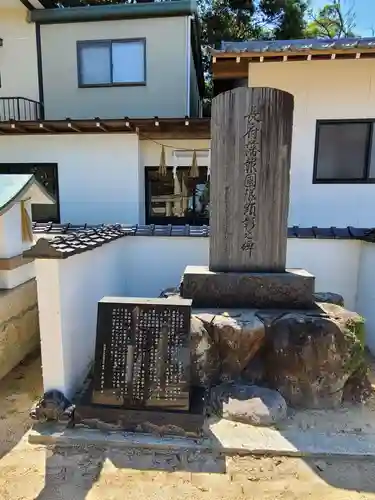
(142, 355)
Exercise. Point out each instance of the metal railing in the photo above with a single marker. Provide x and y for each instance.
(20, 109)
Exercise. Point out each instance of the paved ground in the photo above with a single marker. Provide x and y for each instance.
(35, 473)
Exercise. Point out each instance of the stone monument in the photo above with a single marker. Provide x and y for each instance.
(142, 355)
(251, 136)
(142, 366)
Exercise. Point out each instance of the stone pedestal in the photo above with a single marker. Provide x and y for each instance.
(293, 288)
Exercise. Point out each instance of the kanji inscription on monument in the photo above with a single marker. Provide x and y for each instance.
(251, 143)
(251, 131)
(142, 355)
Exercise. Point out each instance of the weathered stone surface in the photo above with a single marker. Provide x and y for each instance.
(251, 132)
(205, 367)
(238, 337)
(329, 297)
(254, 373)
(310, 358)
(292, 289)
(19, 325)
(358, 388)
(248, 404)
(169, 292)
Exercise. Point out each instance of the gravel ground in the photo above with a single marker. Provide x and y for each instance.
(37, 473)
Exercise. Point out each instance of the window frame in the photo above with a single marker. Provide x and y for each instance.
(90, 43)
(162, 220)
(369, 139)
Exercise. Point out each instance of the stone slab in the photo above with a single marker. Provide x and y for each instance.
(226, 437)
(142, 355)
(292, 289)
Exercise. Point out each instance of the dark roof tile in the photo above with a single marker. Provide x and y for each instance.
(91, 236)
(82, 240)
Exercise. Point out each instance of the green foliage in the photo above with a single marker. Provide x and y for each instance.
(240, 20)
(355, 335)
(287, 17)
(331, 22)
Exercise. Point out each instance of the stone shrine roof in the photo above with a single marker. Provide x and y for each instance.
(17, 187)
(59, 241)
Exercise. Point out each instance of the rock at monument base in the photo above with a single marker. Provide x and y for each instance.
(310, 358)
(248, 404)
(205, 367)
(169, 292)
(238, 337)
(358, 388)
(329, 298)
(254, 373)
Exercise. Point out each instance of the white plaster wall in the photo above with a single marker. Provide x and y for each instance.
(69, 290)
(335, 264)
(366, 291)
(154, 263)
(68, 294)
(17, 276)
(99, 175)
(323, 90)
(150, 151)
(18, 59)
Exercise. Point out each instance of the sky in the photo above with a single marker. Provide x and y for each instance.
(365, 14)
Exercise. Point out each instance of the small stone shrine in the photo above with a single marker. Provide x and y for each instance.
(19, 334)
(251, 137)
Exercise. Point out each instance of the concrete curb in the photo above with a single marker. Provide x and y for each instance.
(256, 441)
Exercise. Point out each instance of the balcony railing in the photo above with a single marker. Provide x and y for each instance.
(20, 109)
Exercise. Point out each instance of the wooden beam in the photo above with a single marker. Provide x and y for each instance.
(48, 129)
(72, 127)
(17, 127)
(231, 69)
(100, 126)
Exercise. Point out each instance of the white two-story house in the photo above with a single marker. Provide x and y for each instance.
(87, 97)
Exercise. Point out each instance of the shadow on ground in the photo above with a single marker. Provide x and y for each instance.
(18, 391)
(71, 472)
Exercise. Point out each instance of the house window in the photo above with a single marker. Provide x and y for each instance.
(108, 63)
(344, 152)
(46, 174)
(177, 199)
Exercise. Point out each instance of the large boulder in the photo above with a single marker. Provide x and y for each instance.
(248, 404)
(205, 369)
(310, 356)
(238, 337)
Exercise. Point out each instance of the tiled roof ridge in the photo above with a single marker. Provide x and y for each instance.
(301, 45)
(70, 239)
(348, 232)
(75, 242)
